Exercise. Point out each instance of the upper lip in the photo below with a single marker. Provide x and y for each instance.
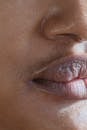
(66, 69)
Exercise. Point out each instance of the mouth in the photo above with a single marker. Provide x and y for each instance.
(66, 78)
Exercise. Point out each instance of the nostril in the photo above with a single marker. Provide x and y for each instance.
(54, 29)
(57, 25)
(73, 36)
(55, 36)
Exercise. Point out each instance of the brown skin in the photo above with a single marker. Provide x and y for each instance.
(28, 44)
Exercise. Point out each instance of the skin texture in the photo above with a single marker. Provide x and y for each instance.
(28, 32)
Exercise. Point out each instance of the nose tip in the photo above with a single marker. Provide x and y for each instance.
(68, 19)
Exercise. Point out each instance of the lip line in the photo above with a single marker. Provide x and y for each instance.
(65, 82)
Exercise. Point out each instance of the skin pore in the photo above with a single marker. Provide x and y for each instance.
(28, 43)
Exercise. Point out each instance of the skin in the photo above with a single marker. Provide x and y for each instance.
(28, 30)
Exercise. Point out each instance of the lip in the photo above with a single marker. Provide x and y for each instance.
(66, 77)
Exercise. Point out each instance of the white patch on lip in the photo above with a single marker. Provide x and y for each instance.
(79, 48)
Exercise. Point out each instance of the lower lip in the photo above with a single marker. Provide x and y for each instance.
(76, 89)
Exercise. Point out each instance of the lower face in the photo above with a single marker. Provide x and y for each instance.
(23, 51)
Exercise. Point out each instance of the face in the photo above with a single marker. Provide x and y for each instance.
(43, 60)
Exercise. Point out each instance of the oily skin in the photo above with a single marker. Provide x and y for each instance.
(28, 44)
